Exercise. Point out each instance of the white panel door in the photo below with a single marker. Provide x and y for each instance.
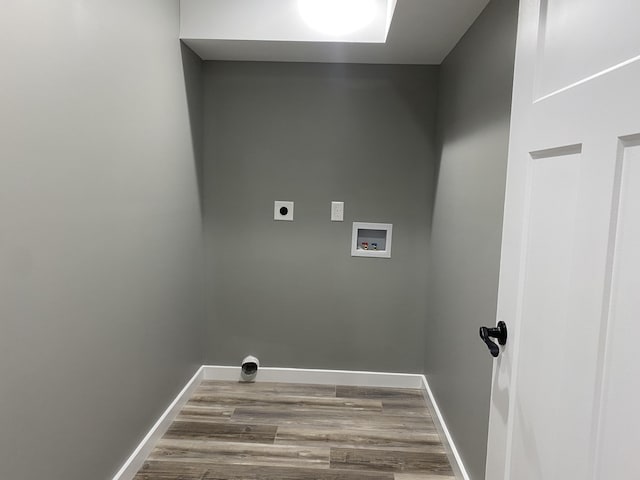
(566, 387)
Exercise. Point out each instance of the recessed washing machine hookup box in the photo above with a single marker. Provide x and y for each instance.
(371, 240)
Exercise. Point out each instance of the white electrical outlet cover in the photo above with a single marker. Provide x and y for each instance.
(283, 211)
(337, 211)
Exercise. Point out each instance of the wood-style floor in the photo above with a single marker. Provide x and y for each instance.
(277, 431)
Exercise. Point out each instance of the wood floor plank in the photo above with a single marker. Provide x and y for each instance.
(393, 399)
(317, 417)
(348, 391)
(229, 453)
(404, 404)
(153, 470)
(269, 388)
(411, 410)
(351, 438)
(212, 413)
(158, 470)
(240, 399)
(236, 432)
(390, 461)
(422, 476)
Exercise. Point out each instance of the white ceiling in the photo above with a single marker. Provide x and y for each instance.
(286, 20)
(421, 32)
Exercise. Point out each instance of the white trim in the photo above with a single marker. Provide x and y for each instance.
(319, 377)
(142, 451)
(452, 452)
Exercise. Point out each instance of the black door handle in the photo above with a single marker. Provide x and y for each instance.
(499, 333)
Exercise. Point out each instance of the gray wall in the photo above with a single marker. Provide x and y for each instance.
(312, 133)
(100, 234)
(473, 123)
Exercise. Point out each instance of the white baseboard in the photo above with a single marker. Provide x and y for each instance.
(319, 377)
(294, 375)
(452, 452)
(142, 451)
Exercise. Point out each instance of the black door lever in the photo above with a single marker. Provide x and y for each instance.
(499, 333)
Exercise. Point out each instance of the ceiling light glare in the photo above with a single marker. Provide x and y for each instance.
(337, 17)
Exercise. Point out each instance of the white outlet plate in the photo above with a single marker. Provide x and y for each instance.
(337, 211)
(280, 204)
